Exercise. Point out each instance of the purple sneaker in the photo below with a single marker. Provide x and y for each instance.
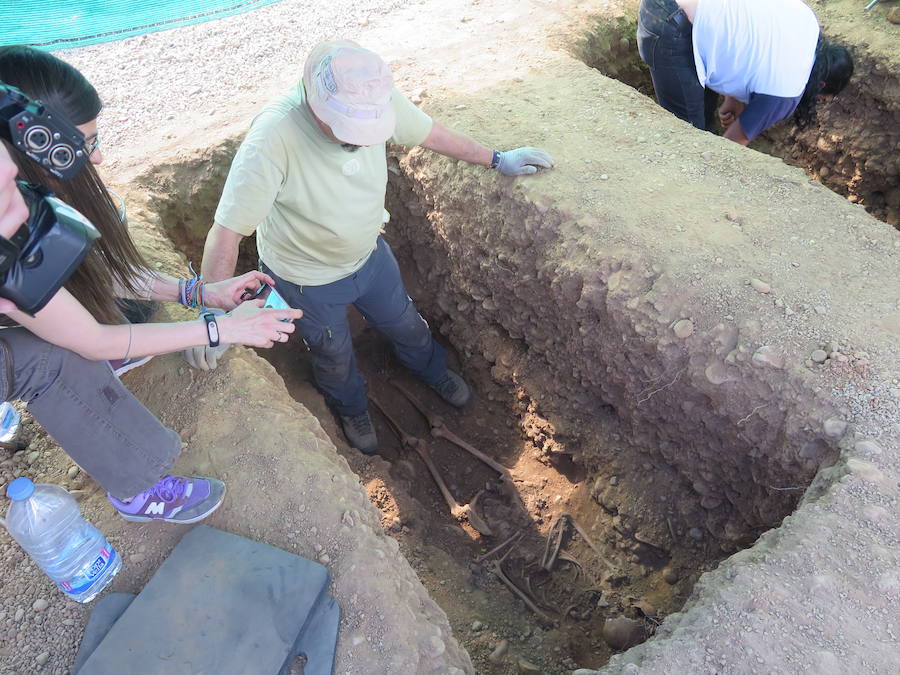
(174, 499)
(122, 366)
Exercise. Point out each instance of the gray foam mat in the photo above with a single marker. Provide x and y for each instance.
(219, 604)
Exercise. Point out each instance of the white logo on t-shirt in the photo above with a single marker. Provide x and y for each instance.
(351, 167)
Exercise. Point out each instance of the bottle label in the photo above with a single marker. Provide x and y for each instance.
(85, 578)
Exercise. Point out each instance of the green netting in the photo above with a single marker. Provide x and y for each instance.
(63, 24)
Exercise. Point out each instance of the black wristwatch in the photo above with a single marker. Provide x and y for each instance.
(212, 329)
(495, 159)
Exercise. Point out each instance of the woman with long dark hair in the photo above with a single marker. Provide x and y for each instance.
(56, 360)
(766, 57)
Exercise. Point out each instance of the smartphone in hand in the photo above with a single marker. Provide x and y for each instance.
(271, 296)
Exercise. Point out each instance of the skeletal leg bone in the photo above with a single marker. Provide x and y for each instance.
(459, 511)
(440, 430)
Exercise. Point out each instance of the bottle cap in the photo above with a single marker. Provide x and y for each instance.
(19, 489)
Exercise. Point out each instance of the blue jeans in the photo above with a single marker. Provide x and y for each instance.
(377, 291)
(664, 43)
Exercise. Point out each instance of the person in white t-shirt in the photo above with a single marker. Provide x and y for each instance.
(766, 57)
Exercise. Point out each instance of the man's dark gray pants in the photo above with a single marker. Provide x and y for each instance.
(88, 412)
(377, 291)
(665, 45)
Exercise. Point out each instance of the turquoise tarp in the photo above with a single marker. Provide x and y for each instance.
(63, 24)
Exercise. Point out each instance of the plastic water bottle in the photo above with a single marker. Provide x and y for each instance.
(9, 422)
(47, 523)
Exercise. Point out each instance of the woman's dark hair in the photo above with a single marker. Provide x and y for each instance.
(113, 261)
(831, 72)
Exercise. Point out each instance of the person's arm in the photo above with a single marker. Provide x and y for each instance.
(224, 294)
(516, 162)
(66, 323)
(453, 144)
(735, 132)
(220, 253)
(759, 114)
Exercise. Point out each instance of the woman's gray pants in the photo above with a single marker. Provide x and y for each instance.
(88, 412)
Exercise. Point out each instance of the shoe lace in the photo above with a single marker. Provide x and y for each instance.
(168, 489)
(447, 386)
(361, 423)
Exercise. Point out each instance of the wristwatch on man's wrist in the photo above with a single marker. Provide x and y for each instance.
(495, 159)
(212, 329)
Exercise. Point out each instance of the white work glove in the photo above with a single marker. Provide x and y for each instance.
(205, 357)
(522, 161)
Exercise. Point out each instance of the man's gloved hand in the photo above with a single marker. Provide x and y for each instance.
(523, 161)
(205, 357)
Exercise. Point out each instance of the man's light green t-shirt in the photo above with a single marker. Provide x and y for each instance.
(317, 209)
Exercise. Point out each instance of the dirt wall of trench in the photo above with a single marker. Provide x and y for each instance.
(689, 284)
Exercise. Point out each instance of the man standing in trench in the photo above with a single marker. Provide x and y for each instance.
(310, 179)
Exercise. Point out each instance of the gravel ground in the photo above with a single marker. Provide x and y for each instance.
(150, 81)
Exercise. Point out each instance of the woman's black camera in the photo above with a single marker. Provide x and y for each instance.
(41, 256)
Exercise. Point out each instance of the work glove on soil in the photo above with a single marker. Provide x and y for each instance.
(205, 357)
(523, 161)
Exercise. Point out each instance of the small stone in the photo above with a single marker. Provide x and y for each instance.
(40, 605)
(760, 286)
(834, 428)
(818, 356)
(604, 176)
(670, 575)
(683, 328)
(461, 106)
(893, 15)
(821, 309)
(72, 472)
(324, 559)
(477, 626)
(695, 533)
(526, 666)
(32, 456)
(137, 558)
(42, 658)
(867, 447)
(499, 653)
(622, 632)
(706, 155)
(19, 614)
(613, 480)
(768, 356)
(347, 519)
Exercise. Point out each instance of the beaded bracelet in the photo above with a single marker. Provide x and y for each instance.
(190, 291)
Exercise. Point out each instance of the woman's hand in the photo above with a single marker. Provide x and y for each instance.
(227, 294)
(253, 326)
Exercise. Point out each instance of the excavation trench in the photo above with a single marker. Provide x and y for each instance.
(851, 148)
(597, 431)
